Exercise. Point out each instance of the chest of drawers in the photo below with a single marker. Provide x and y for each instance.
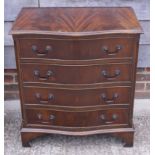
(76, 69)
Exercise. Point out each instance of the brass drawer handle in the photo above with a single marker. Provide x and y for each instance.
(48, 48)
(109, 101)
(102, 116)
(114, 118)
(110, 77)
(46, 77)
(39, 116)
(51, 117)
(38, 97)
(106, 50)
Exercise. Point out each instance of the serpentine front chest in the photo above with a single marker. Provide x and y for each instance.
(76, 69)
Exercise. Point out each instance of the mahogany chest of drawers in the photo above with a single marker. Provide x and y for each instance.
(76, 69)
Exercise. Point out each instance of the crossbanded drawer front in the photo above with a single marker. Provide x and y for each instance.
(83, 97)
(76, 74)
(51, 117)
(77, 49)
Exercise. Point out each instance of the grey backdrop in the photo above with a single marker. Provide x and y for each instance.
(141, 7)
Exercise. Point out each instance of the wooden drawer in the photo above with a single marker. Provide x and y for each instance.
(77, 49)
(76, 74)
(77, 119)
(83, 97)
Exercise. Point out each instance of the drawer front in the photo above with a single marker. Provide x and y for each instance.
(76, 49)
(77, 119)
(76, 74)
(87, 97)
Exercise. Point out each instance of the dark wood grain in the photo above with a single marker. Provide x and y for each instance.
(76, 74)
(76, 21)
(77, 119)
(77, 49)
(26, 137)
(64, 97)
(126, 134)
(76, 69)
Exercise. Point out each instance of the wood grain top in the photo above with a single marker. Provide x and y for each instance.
(69, 21)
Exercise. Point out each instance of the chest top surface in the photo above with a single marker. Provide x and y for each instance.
(76, 21)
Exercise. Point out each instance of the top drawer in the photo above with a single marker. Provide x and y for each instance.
(84, 49)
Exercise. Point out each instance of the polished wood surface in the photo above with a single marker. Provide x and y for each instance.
(126, 134)
(75, 74)
(65, 97)
(116, 47)
(76, 119)
(76, 70)
(76, 21)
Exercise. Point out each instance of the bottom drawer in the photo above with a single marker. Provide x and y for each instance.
(77, 119)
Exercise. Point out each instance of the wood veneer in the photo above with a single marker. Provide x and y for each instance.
(76, 69)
